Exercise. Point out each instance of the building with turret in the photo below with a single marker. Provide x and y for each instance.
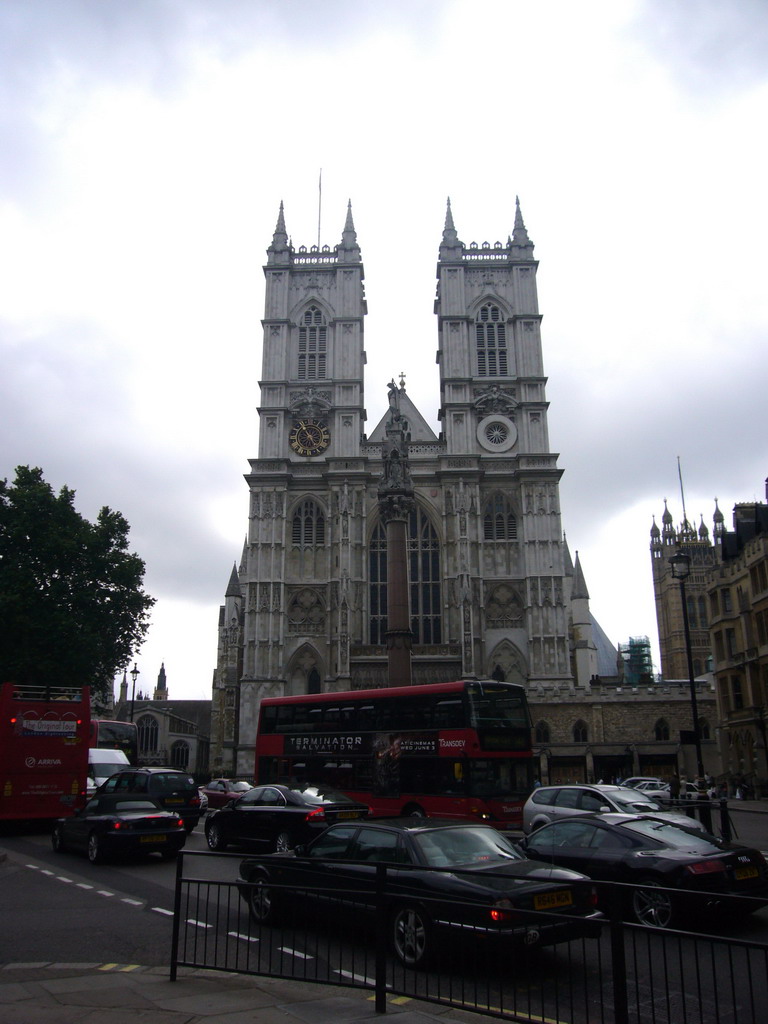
(493, 591)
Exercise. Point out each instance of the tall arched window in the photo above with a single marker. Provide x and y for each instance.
(424, 575)
(308, 527)
(313, 341)
(499, 520)
(491, 342)
(541, 734)
(180, 755)
(661, 730)
(580, 732)
(704, 729)
(148, 733)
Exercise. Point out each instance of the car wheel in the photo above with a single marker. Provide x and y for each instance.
(56, 841)
(651, 907)
(411, 933)
(261, 901)
(414, 811)
(283, 842)
(95, 851)
(216, 840)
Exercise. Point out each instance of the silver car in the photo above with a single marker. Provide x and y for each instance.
(549, 803)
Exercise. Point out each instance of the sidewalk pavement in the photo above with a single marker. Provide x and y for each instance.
(59, 993)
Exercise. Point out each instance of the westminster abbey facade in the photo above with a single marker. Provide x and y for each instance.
(493, 591)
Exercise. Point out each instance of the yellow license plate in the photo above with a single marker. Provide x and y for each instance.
(548, 900)
(745, 873)
(171, 800)
(348, 814)
(152, 839)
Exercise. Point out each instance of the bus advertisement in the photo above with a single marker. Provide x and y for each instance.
(110, 735)
(44, 734)
(458, 750)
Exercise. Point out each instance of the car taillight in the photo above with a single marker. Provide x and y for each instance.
(195, 801)
(318, 815)
(180, 823)
(502, 910)
(117, 824)
(593, 897)
(705, 867)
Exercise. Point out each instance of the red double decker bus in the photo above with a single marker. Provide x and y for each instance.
(44, 735)
(455, 750)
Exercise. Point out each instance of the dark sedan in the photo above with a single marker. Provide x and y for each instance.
(655, 855)
(111, 824)
(279, 817)
(442, 877)
(220, 791)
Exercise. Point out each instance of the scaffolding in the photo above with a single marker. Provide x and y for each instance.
(638, 663)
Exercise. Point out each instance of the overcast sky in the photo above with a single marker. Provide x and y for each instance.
(145, 146)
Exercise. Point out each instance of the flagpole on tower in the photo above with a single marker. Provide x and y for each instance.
(319, 205)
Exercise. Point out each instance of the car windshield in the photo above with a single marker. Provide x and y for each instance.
(320, 794)
(633, 800)
(675, 835)
(241, 787)
(451, 847)
(136, 805)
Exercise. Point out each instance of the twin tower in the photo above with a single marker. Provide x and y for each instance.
(493, 592)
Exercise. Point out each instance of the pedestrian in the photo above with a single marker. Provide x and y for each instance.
(674, 786)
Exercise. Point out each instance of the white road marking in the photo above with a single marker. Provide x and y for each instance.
(245, 938)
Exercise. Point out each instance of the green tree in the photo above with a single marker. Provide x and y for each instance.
(72, 607)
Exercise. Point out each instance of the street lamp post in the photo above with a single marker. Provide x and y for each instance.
(134, 676)
(680, 564)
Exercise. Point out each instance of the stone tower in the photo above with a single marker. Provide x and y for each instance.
(306, 609)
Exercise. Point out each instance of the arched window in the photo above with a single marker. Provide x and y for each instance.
(580, 733)
(308, 527)
(499, 521)
(313, 341)
(541, 733)
(180, 755)
(661, 730)
(702, 613)
(693, 622)
(491, 342)
(499, 674)
(424, 578)
(313, 682)
(148, 733)
(704, 733)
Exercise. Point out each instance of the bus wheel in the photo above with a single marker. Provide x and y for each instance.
(56, 841)
(414, 811)
(411, 936)
(95, 851)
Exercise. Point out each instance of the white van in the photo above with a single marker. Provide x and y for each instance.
(102, 763)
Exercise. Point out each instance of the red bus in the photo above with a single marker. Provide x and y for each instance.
(455, 750)
(111, 735)
(44, 732)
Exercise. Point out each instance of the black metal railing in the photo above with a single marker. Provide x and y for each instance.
(624, 974)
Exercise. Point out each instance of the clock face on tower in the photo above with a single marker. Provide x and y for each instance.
(309, 437)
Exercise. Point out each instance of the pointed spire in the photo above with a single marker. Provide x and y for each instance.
(279, 250)
(233, 587)
(579, 583)
(567, 560)
(520, 239)
(349, 250)
(162, 682)
(451, 247)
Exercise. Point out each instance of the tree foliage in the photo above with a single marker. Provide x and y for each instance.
(72, 607)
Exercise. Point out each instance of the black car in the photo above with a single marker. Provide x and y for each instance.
(279, 817)
(486, 886)
(655, 855)
(172, 789)
(112, 824)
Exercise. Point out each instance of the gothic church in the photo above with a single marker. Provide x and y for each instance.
(493, 591)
